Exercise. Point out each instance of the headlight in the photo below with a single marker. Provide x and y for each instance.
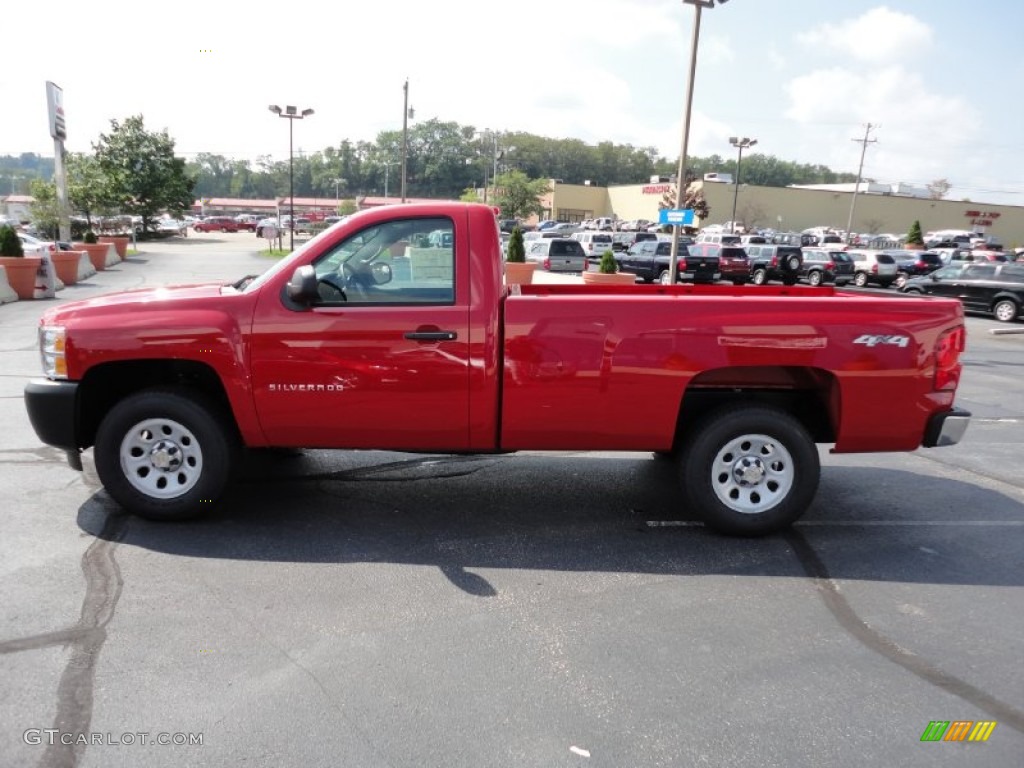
(51, 350)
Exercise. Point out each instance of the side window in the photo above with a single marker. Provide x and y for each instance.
(408, 261)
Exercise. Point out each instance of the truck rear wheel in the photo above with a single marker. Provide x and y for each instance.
(749, 470)
(165, 454)
(759, 276)
(663, 277)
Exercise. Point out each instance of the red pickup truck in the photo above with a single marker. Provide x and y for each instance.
(395, 330)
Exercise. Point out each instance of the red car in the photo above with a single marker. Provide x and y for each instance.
(216, 224)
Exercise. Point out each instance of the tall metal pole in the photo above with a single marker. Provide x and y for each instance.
(405, 134)
(860, 170)
(291, 186)
(740, 144)
(681, 173)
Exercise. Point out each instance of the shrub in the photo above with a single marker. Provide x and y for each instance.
(90, 237)
(10, 243)
(915, 237)
(608, 264)
(516, 249)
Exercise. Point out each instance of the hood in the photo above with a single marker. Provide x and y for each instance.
(141, 299)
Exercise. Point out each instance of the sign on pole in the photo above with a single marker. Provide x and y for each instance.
(55, 108)
(679, 217)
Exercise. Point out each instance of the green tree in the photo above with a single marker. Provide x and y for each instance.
(144, 176)
(45, 209)
(347, 207)
(518, 196)
(915, 237)
(88, 187)
(10, 243)
(516, 247)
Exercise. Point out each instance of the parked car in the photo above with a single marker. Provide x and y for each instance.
(873, 267)
(822, 266)
(707, 262)
(216, 224)
(914, 264)
(774, 262)
(727, 238)
(997, 288)
(649, 260)
(564, 228)
(558, 254)
(269, 221)
(171, 227)
(246, 222)
(594, 243)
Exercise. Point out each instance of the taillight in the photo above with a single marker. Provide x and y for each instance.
(775, 261)
(947, 358)
(829, 265)
(921, 265)
(874, 269)
(547, 263)
(722, 262)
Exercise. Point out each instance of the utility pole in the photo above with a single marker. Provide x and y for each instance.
(405, 133)
(860, 170)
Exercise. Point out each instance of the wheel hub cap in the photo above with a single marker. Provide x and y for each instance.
(752, 473)
(749, 471)
(166, 455)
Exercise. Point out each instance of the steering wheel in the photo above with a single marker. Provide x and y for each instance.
(331, 287)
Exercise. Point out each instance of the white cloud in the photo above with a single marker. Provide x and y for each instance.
(879, 35)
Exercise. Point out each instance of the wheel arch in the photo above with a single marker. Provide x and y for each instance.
(106, 384)
(812, 395)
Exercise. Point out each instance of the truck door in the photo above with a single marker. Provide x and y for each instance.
(381, 360)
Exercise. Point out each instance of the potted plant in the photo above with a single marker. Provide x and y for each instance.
(608, 272)
(518, 271)
(915, 238)
(20, 269)
(97, 251)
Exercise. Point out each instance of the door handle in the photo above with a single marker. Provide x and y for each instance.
(431, 335)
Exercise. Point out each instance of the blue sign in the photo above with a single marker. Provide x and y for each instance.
(682, 217)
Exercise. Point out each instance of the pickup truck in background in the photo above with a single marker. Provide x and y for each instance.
(379, 333)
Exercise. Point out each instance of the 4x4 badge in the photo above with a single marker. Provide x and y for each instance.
(873, 340)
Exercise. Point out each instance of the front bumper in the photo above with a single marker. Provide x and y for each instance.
(946, 428)
(53, 410)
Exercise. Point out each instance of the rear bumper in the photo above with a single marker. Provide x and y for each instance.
(946, 428)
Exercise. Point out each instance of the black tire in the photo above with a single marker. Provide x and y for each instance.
(793, 264)
(814, 277)
(860, 279)
(778, 461)
(759, 276)
(171, 426)
(224, 229)
(915, 291)
(663, 277)
(1005, 310)
(789, 280)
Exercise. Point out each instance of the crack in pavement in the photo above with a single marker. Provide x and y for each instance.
(103, 584)
(875, 641)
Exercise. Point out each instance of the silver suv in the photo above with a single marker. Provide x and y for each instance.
(873, 267)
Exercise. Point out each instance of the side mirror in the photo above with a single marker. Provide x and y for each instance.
(302, 285)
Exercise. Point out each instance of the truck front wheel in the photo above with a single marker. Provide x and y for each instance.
(749, 470)
(165, 454)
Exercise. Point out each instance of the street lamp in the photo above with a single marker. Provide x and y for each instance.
(337, 193)
(407, 114)
(293, 114)
(740, 144)
(698, 6)
(387, 167)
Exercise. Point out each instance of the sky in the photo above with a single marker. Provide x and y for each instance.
(940, 80)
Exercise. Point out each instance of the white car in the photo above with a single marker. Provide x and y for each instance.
(873, 267)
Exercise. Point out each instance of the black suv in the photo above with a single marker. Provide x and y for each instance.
(981, 287)
(824, 266)
(774, 262)
(623, 241)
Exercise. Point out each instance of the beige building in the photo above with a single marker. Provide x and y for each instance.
(794, 209)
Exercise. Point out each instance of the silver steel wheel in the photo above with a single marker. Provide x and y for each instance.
(1005, 311)
(814, 278)
(161, 459)
(752, 473)
(663, 277)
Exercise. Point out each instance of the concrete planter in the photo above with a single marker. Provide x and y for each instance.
(517, 273)
(601, 278)
(21, 274)
(97, 253)
(66, 264)
(120, 242)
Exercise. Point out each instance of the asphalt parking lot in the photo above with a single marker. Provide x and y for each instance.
(539, 609)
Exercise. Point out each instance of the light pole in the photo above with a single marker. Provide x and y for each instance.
(293, 114)
(337, 194)
(387, 167)
(407, 115)
(698, 6)
(740, 144)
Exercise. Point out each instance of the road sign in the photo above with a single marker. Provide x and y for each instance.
(682, 217)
